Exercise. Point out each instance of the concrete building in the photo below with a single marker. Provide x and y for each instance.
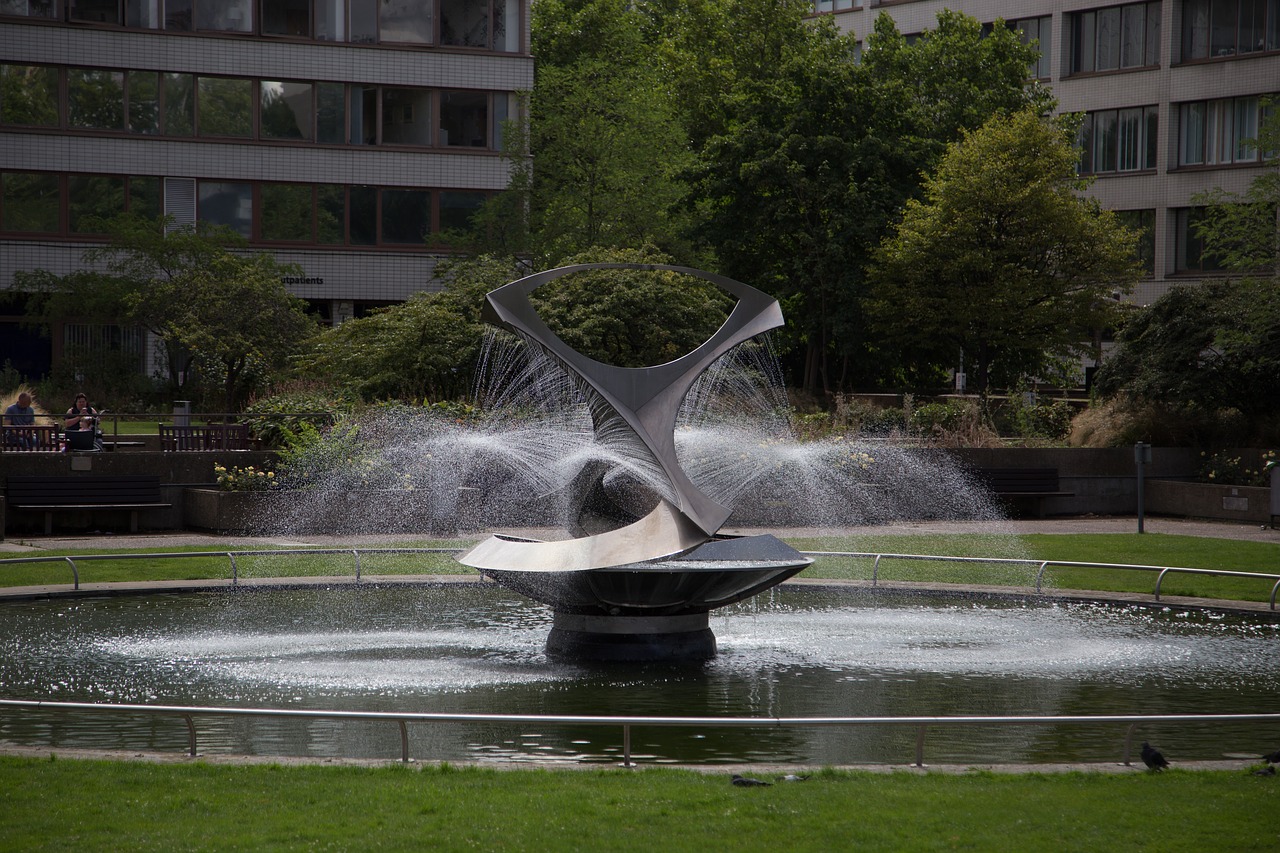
(343, 135)
(1172, 90)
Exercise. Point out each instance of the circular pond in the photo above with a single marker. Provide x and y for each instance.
(800, 651)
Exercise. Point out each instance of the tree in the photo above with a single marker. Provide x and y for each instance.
(188, 288)
(1002, 259)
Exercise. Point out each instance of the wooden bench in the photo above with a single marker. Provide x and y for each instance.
(132, 492)
(28, 439)
(1017, 486)
(211, 437)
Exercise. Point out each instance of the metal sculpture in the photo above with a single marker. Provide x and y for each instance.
(643, 590)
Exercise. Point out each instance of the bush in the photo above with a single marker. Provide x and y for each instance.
(279, 420)
(1229, 468)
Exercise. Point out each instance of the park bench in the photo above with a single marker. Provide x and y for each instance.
(1017, 487)
(210, 437)
(131, 492)
(27, 439)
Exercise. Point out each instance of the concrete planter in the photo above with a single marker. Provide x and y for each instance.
(228, 512)
(1207, 500)
(358, 512)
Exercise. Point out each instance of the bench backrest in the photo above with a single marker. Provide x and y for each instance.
(29, 438)
(89, 489)
(211, 437)
(1013, 480)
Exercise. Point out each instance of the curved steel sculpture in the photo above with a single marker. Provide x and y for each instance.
(643, 590)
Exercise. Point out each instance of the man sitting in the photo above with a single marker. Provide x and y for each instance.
(18, 415)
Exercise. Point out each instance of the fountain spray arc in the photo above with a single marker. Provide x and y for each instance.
(643, 589)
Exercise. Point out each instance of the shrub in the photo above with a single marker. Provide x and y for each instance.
(246, 479)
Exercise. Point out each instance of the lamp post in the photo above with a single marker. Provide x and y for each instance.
(1142, 457)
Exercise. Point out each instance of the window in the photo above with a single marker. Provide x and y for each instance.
(225, 107)
(331, 219)
(29, 201)
(29, 95)
(286, 18)
(1039, 30)
(331, 113)
(506, 23)
(363, 210)
(178, 15)
(144, 14)
(405, 21)
(285, 110)
(1115, 37)
(330, 20)
(286, 212)
(179, 104)
(458, 208)
(144, 101)
(91, 199)
(30, 8)
(1189, 255)
(406, 216)
(1221, 131)
(464, 119)
(234, 16)
(95, 99)
(364, 21)
(226, 203)
(464, 23)
(406, 117)
(1144, 222)
(1118, 140)
(1224, 28)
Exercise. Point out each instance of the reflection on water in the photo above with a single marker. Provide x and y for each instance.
(797, 652)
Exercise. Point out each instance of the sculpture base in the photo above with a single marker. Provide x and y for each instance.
(637, 639)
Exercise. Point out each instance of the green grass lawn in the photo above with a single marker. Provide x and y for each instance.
(1146, 549)
(93, 805)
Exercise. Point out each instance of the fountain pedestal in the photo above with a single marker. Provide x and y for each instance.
(682, 638)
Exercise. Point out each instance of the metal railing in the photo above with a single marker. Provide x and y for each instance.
(402, 720)
(1043, 565)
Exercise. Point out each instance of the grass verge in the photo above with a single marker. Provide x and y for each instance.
(96, 805)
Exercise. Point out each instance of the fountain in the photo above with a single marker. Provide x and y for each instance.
(640, 590)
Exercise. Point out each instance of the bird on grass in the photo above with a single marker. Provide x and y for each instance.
(1272, 757)
(748, 782)
(1269, 770)
(791, 777)
(1153, 758)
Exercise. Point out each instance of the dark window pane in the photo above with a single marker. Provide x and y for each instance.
(1195, 29)
(286, 18)
(225, 15)
(464, 23)
(225, 107)
(286, 212)
(330, 214)
(95, 98)
(30, 8)
(405, 21)
(1153, 35)
(406, 216)
(331, 113)
(1144, 222)
(458, 208)
(1152, 136)
(331, 21)
(179, 104)
(226, 203)
(464, 119)
(1108, 55)
(364, 216)
(506, 24)
(97, 11)
(406, 117)
(286, 110)
(364, 115)
(30, 201)
(177, 15)
(1222, 36)
(29, 95)
(144, 101)
(144, 197)
(1086, 38)
(364, 21)
(91, 200)
(145, 14)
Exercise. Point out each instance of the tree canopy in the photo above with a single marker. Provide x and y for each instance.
(1002, 259)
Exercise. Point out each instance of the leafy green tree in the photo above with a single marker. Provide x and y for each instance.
(188, 288)
(1002, 259)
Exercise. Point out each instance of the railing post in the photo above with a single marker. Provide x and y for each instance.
(404, 741)
(235, 572)
(357, 556)
(1128, 744)
(875, 570)
(1159, 580)
(920, 745)
(626, 745)
(1275, 587)
(75, 573)
(1040, 574)
(191, 734)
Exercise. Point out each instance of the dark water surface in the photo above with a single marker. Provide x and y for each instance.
(799, 652)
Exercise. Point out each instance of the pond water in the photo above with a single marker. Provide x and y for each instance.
(798, 651)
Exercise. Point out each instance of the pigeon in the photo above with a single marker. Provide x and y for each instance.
(1269, 770)
(1272, 757)
(791, 777)
(748, 782)
(1153, 758)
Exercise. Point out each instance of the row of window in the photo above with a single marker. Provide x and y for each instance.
(51, 204)
(486, 24)
(1115, 37)
(1216, 132)
(1229, 27)
(185, 105)
(1189, 257)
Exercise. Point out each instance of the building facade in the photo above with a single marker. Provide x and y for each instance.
(346, 136)
(1172, 92)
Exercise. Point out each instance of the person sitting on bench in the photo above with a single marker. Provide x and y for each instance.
(81, 425)
(20, 414)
